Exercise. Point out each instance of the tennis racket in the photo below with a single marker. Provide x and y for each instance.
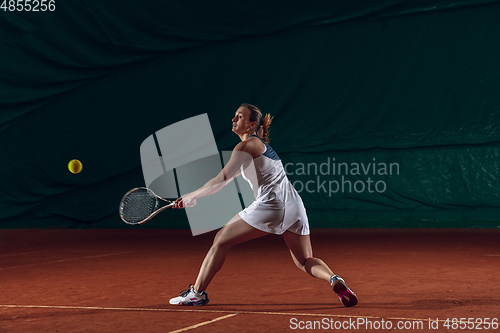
(140, 205)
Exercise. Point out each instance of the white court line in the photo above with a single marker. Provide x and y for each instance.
(19, 254)
(63, 260)
(212, 311)
(204, 323)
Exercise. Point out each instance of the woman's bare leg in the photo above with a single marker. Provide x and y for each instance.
(234, 232)
(302, 255)
(301, 250)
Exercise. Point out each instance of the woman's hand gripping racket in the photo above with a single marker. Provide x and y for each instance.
(140, 205)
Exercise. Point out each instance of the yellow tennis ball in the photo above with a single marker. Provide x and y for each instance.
(75, 166)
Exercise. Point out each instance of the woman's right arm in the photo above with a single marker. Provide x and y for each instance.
(232, 169)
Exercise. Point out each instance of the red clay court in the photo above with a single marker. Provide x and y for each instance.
(104, 280)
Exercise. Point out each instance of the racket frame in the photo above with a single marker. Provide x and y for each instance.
(170, 204)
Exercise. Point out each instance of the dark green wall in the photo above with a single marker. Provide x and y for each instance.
(361, 83)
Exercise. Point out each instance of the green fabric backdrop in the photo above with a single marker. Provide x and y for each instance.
(413, 84)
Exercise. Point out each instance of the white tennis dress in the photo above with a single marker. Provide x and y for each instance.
(277, 206)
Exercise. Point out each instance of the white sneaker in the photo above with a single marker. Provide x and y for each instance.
(190, 297)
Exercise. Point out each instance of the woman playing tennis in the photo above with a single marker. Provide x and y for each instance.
(277, 209)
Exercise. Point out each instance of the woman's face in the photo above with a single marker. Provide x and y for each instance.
(241, 121)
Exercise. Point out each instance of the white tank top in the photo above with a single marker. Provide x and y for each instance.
(268, 180)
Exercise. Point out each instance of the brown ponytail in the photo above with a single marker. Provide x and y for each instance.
(262, 123)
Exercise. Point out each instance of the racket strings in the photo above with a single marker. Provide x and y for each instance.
(138, 206)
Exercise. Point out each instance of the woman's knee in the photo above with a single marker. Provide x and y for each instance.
(301, 264)
(220, 241)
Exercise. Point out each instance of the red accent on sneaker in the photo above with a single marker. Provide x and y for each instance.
(347, 298)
